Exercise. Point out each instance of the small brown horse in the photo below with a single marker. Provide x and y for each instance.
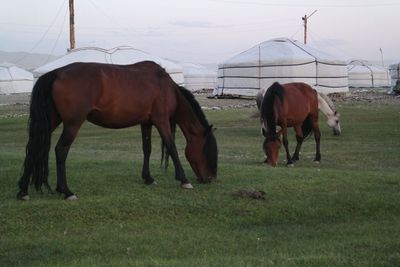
(114, 96)
(289, 105)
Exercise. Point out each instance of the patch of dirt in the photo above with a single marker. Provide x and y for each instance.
(249, 193)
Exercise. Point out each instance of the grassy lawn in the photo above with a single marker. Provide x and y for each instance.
(342, 212)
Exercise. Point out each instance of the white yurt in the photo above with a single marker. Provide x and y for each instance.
(394, 70)
(364, 74)
(283, 60)
(123, 55)
(198, 77)
(14, 80)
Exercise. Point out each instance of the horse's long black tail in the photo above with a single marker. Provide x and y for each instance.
(39, 128)
(164, 151)
(267, 107)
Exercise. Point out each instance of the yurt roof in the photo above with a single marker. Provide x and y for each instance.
(122, 55)
(281, 51)
(364, 66)
(10, 72)
(14, 79)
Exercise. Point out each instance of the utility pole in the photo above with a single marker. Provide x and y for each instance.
(305, 19)
(71, 25)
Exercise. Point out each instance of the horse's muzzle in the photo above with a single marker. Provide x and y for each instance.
(336, 132)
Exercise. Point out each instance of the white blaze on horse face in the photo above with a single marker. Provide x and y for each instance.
(332, 121)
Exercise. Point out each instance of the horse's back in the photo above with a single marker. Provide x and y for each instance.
(114, 96)
(300, 94)
(300, 100)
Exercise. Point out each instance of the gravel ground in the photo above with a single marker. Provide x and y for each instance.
(18, 104)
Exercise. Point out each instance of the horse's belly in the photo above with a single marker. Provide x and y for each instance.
(116, 120)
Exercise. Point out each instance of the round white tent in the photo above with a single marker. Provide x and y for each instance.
(364, 74)
(120, 55)
(283, 60)
(198, 77)
(14, 79)
(394, 70)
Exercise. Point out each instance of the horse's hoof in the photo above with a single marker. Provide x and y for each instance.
(150, 182)
(317, 161)
(290, 165)
(72, 197)
(24, 198)
(187, 186)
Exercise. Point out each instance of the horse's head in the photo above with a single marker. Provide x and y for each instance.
(334, 124)
(202, 153)
(271, 149)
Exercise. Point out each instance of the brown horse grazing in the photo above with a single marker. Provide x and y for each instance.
(289, 105)
(114, 96)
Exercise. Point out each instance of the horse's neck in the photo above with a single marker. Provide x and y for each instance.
(188, 121)
(324, 107)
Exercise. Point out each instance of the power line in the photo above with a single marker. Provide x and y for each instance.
(45, 33)
(280, 4)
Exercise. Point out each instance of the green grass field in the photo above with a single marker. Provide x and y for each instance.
(342, 212)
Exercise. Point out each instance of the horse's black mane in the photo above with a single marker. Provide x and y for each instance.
(267, 108)
(195, 106)
(210, 148)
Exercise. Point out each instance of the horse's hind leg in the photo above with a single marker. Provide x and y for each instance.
(289, 161)
(146, 145)
(317, 136)
(62, 148)
(299, 139)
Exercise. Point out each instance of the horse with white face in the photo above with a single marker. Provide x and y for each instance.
(327, 107)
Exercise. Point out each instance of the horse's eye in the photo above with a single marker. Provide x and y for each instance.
(337, 121)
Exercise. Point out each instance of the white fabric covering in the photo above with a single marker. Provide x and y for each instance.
(283, 60)
(198, 77)
(364, 74)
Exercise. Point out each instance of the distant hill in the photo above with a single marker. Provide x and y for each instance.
(28, 61)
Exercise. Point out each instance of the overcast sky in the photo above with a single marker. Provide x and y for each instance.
(203, 31)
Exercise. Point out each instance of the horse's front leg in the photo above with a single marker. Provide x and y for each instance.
(166, 135)
(146, 146)
(317, 136)
(289, 161)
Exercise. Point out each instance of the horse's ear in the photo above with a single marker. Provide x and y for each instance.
(263, 132)
(210, 129)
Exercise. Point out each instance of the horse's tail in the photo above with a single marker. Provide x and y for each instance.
(306, 127)
(267, 107)
(164, 151)
(39, 128)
